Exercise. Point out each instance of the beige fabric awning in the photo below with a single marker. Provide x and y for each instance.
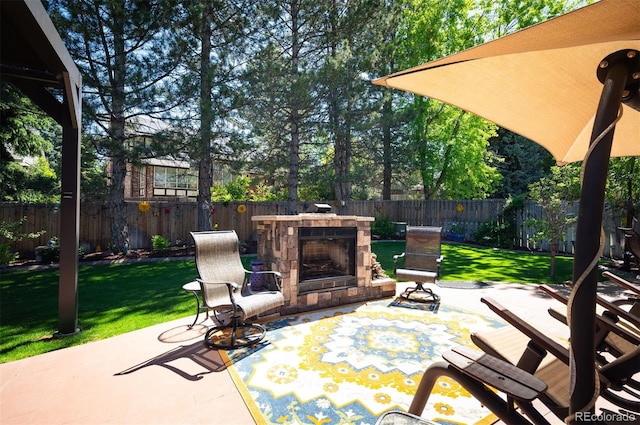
(539, 82)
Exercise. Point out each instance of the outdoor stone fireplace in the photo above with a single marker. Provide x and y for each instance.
(324, 259)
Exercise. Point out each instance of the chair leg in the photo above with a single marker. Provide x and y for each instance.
(432, 297)
(234, 335)
(484, 395)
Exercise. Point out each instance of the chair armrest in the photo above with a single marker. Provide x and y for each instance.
(212, 297)
(622, 282)
(395, 261)
(534, 334)
(629, 317)
(277, 277)
(231, 285)
(608, 324)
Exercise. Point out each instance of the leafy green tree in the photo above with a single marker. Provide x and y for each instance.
(450, 152)
(242, 189)
(26, 131)
(555, 194)
(442, 136)
(386, 121)
(23, 126)
(9, 234)
(317, 184)
(623, 193)
(623, 187)
(36, 183)
(447, 146)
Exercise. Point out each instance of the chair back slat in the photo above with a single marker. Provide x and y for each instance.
(422, 247)
(218, 257)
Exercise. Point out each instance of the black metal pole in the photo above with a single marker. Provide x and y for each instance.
(590, 213)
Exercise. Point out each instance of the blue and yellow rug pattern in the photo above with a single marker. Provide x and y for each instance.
(350, 365)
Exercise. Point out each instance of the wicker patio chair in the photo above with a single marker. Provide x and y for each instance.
(224, 284)
(422, 258)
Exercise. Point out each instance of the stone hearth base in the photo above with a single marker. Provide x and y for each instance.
(380, 288)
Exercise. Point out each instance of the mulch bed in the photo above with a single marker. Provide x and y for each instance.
(188, 251)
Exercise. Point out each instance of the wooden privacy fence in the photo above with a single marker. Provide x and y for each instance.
(174, 221)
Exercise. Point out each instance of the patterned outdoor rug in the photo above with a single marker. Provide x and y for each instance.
(352, 364)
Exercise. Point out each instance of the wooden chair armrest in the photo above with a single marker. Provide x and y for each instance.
(497, 373)
(622, 282)
(610, 325)
(631, 318)
(602, 321)
(560, 317)
(623, 314)
(533, 333)
(553, 293)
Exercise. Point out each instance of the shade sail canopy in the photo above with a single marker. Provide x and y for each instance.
(541, 81)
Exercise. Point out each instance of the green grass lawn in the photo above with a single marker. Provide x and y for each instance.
(118, 298)
(465, 262)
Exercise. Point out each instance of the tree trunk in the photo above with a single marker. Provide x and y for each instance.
(205, 176)
(340, 122)
(554, 251)
(386, 146)
(117, 205)
(630, 215)
(294, 117)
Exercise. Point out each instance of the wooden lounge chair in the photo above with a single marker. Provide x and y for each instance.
(422, 258)
(224, 284)
(537, 368)
(631, 300)
(536, 353)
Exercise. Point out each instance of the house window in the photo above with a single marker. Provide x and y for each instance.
(168, 181)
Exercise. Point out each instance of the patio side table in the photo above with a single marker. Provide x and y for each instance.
(194, 288)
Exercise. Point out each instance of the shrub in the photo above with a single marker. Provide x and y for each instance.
(159, 242)
(6, 255)
(501, 234)
(383, 227)
(9, 234)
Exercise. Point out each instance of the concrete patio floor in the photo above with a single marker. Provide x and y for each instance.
(165, 375)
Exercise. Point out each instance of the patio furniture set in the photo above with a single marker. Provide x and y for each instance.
(518, 360)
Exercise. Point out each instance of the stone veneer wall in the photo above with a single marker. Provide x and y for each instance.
(278, 249)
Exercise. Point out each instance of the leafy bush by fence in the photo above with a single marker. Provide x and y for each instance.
(174, 221)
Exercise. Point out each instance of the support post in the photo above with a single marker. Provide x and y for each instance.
(588, 231)
(69, 219)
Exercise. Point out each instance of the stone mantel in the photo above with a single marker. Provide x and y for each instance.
(311, 217)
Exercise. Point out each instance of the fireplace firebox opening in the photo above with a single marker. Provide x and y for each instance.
(327, 258)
